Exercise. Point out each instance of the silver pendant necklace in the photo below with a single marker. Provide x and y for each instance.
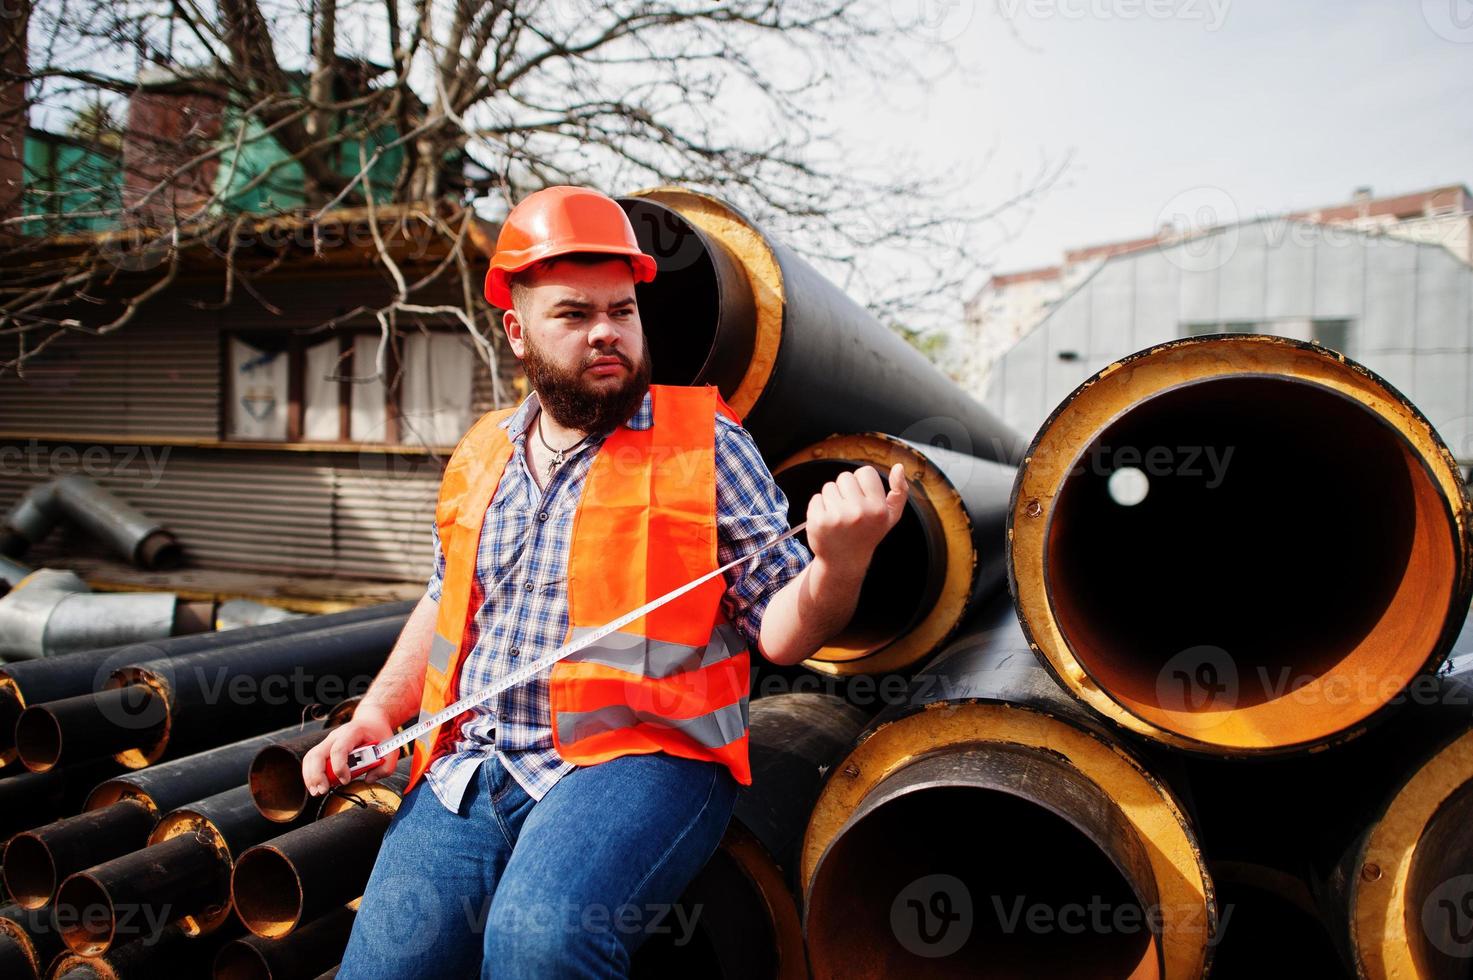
(558, 455)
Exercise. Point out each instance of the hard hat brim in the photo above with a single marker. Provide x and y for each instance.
(506, 265)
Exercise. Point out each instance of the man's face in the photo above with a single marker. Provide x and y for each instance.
(576, 328)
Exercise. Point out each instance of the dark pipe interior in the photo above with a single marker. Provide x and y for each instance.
(1439, 903)
(1286, 555)
(697, 312)
(904, 575)
(1264, 933)
(874, 910)
(268, 896)
(30, 874)
(276, 783)
(730, 934)
(85, 915)
(38, 739)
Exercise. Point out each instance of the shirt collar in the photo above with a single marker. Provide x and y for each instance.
(517, 423)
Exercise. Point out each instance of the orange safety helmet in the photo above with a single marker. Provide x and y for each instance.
(557, 221)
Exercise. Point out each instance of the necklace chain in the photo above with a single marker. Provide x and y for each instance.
(558, 455)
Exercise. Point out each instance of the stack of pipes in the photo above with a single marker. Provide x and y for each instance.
(125, 815)
(1167, 690)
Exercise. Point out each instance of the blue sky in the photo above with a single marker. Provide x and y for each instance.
(1256, 106)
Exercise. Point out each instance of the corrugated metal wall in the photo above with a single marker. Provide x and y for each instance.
(302, 513)
(1409, 308)
(341, 512)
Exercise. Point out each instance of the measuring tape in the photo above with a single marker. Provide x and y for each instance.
(368, 755)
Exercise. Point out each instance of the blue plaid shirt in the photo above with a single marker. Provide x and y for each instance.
(519, 591)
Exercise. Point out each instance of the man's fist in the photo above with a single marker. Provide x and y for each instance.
(849, 516)
(326, 764)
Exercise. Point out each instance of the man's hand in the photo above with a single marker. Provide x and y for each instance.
(849, 516)
(328, 760)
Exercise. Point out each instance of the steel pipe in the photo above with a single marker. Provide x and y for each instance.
(51, 612)
(120, 813)
(82, 672)
(746, 922)
(182, 876)
(275, 777)
(28, 943)
(1012, 805)
(929, 572)
(315, 947)
(199, 699)
(304, 874)
(30, 799)
(101, 514)
(172, 953)
(89, 726)
(1296, 554)
(795, 358)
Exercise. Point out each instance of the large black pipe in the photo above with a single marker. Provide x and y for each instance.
(1239, 545)
(205, 698)
(121, 813)
(86, 671)
(929, 572)
(793, 355)
(315, 947)
(182, 877)
(29, 944)
(172, 953)
(30, 799)
(985, 796)
(298, 876)
(741, 905)
(1371, 828)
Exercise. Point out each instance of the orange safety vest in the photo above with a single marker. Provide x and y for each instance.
(676, 680)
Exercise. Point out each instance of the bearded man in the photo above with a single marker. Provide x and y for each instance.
(566, 816)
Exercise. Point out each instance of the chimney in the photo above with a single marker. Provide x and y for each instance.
(1361, 197)
(14, 113)
(171, 119)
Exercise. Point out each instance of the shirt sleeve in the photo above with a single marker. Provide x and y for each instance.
(750, 511)
(437, 575)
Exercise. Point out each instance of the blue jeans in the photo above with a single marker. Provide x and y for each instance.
(566, 886)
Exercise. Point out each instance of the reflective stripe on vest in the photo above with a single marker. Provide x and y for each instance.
(676, 680)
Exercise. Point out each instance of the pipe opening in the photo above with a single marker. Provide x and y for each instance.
(276, 784)
(697, 313)
(905, 575)
(268, 894)
(1255, 919)
(950, 880)
(30, 872)
(38, 739)
(85, 915)
(1439, 893)
(1300, 570)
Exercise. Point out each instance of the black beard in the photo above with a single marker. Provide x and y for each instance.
(565, 396)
